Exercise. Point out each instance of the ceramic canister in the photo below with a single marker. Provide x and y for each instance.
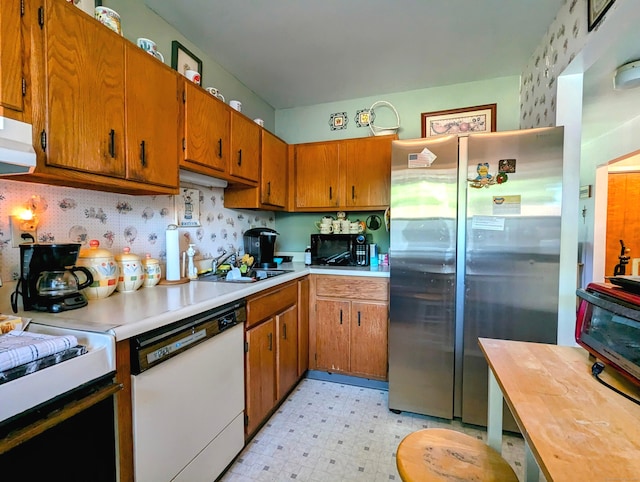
(103, 267)
(131, 274)
(151, 268)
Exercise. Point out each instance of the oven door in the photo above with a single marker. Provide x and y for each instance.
(609, 328)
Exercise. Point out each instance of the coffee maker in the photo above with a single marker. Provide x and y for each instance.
(48, 280)
(260, 243)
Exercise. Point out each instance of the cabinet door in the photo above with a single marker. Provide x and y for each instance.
(369, 323)
(207, 131)
(332, 335)
(316, 175)
(85, 92)
(12, 58)
(260, 368)
(367, 180)
(274, 179)
(152, 111)
(245, 148)
(287, 355)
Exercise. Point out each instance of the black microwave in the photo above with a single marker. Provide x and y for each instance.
(340, 249)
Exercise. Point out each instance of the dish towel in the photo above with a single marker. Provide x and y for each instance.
(20, 347)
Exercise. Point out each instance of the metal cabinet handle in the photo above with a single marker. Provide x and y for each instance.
(143, 156)
(220, 148)
(269, 188)
(341, 316)
(270, 341)
(330, 192)
(284, 331)
(112, 143)
(358, 318)
(240, 157)
(353, 192)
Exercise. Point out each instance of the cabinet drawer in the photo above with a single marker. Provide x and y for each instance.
(267, 304)
(354, 287)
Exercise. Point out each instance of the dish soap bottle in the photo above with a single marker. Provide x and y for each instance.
(192, 273)
(307, 256)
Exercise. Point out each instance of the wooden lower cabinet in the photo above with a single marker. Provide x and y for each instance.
(349, 325)
(271, 351)
(260, 374)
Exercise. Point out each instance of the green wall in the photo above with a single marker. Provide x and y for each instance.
(296, 228)
(140, 21)
(311, 123)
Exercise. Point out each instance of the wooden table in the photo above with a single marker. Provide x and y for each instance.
(575, 429)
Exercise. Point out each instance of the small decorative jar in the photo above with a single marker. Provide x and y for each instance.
(151, 268)
(103, 267)
(131, 274)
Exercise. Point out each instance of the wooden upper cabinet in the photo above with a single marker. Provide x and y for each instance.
(152, 132)
(348, 174)
(85, 93)
(367, 168)
(207, 132)
(244, 161)
(316, 175)
(274, 176)
(12, 60)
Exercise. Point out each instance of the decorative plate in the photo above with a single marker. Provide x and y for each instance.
(338, 121)
(364, 117)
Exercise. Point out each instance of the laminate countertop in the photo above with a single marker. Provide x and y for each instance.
(129, 314)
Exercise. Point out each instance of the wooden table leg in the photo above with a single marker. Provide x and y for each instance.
(494, 422)
(531, 469)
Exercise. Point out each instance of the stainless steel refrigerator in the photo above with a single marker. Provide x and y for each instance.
(474, 252)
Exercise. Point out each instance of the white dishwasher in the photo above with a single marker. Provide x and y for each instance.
(188, 396)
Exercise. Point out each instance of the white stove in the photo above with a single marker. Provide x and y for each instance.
(31, 390)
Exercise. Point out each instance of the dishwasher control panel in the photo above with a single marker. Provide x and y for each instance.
(153, 347)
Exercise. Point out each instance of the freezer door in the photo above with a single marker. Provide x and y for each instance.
(423, 270)
(512, 249)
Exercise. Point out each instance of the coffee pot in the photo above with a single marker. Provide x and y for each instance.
(48, 280)
(63, 283)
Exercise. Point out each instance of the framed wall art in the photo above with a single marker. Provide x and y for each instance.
(182, 59)
(596, 10)
(480, 118)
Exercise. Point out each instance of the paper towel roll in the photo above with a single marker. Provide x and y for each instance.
(173, 253)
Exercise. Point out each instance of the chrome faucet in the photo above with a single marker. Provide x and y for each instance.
(221, 259)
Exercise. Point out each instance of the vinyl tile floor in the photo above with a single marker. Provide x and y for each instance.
(328, 431)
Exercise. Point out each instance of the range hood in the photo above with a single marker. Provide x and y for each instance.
(16, 149)
(200, 179)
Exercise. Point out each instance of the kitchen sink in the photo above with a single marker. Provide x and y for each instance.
(252, 276)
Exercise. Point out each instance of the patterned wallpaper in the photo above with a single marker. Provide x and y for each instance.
(564, 38)
(139, 222)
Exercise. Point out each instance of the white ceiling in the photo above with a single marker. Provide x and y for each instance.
(304, 52)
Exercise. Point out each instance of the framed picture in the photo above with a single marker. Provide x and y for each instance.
(182, 59)
(480, 118)
(597, 9)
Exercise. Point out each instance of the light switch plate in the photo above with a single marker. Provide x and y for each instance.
(17, 232)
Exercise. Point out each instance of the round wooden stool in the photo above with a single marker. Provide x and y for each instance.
(438, 454)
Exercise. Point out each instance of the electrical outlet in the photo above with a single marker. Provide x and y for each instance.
(21, 231)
